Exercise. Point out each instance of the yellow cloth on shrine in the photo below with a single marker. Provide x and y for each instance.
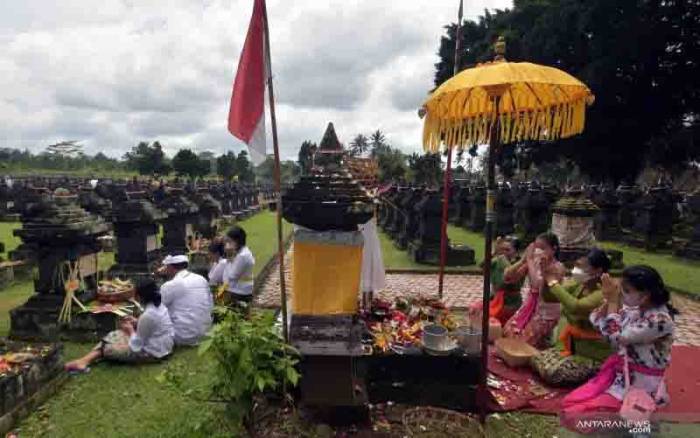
(325, 278)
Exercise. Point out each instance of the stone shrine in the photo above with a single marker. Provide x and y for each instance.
(89, 200)
(653, 223)
(409, 225)
(136, 222)
(425, 248)
(178, 226)
(60, 236)
(607, 220)
(209, 212)
(573, 223)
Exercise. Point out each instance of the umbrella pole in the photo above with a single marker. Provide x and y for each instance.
(443, 225)
(494, 145)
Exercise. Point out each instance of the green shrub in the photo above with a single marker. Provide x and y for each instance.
(251, 359)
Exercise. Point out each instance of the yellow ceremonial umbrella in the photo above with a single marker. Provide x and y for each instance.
(495, 103)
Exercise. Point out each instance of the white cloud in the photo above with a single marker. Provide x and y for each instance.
(130, 70)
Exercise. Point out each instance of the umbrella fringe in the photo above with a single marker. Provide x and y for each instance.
(546, 124)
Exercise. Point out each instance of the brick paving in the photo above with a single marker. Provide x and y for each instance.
(460, 290)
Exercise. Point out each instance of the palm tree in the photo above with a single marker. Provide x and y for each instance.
(378, 143)
(359, 145)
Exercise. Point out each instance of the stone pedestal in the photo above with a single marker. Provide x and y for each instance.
(573, 224)
(24, 382)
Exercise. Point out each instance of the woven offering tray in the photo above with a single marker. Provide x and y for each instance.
(428, 421)
(514, 352)
(115, 291)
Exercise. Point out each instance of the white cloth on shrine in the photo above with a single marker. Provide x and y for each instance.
(238, 272)
(154, 332)
(373, 276)
(189, 301)
(216, 273)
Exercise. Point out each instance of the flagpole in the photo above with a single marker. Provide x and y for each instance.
(278, 183)
(448, 170)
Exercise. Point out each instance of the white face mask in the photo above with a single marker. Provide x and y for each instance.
(579, 275)
(632, 299)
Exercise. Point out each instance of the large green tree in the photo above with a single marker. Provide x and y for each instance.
(425, 169)
(244, 168)
(148, 159)
(265, 171)
(226, 166)
(187, 163)
(306, 156)
(639, 57)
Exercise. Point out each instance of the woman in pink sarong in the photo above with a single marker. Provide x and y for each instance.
(637, 319)
(540, 312)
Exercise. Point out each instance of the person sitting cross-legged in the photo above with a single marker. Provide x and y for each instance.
(148, 339)
(189, 300)
(580, 348)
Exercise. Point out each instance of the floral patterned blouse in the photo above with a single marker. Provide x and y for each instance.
(647, 337)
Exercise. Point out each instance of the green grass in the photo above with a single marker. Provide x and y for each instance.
(11, 242)
(678, 273)
(261, 235)
(125, 401)
(11, 297)
(394, 258)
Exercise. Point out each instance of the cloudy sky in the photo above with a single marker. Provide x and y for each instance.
(115, 72)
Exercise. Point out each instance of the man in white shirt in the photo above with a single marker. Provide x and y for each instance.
(188, 299)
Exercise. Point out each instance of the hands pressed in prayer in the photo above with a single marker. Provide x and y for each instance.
(128, 325)
(611, 292)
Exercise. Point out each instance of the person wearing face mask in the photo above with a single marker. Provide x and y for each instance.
(636, 318)
(506, 298)
(580, 348)
(539, 314)
(238, 273)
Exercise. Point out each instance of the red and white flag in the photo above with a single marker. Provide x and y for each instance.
(246, 117)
